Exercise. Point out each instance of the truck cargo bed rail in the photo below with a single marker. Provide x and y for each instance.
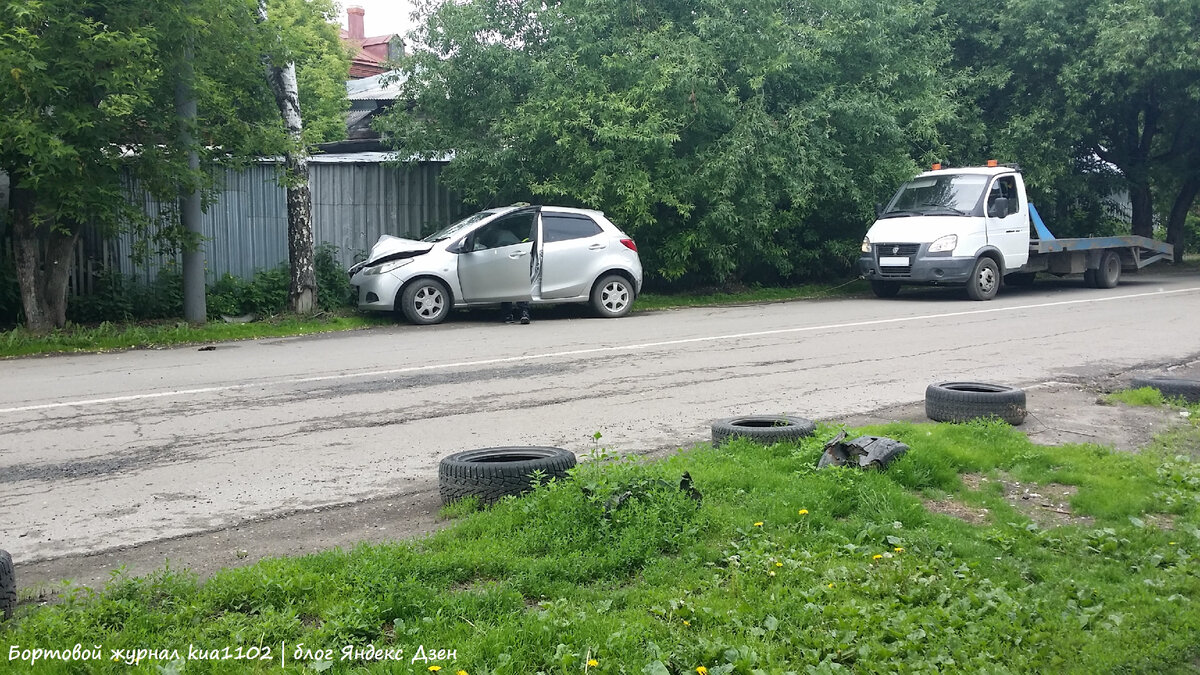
(1145, 250)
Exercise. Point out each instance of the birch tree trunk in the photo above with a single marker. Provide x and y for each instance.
(302, 292)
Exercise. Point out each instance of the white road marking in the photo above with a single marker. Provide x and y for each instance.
(583, 352)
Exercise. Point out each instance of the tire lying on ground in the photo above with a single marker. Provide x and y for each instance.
(492, 473)
(965, 401)
(764, 429)
(1188, 390)
(8, 585)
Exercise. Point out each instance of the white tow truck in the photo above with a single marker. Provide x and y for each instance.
(973, 227)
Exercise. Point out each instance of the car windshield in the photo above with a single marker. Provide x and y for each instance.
(954, 195)
(451, 230)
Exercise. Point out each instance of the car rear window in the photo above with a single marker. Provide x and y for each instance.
(560, 227)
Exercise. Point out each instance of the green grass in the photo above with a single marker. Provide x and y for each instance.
(780, 569)
(152, 334)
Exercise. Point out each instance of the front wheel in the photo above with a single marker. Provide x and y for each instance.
(885, 289)
(984, 281)
(612, 296)
(425, 302)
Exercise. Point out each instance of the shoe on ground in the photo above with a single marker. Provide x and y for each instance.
(508, 318)
(524, 318)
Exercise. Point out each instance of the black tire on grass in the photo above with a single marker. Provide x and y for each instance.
(1188, 390)
(765, 429)
(8, 585)
(492, 473)
(965, 401)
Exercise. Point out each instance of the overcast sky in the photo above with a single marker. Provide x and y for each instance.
(382, 17)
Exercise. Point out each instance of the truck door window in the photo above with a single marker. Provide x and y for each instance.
(1006, 187)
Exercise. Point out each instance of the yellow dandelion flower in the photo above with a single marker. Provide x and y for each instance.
(803, 512)
(899, 549)
(461, 672)
(592, 663)
(758, 524)
(877, 556)
(778, 564)
(434, 669)
(1171, 543)
(686, 622)
(701, 670)
(831, 585)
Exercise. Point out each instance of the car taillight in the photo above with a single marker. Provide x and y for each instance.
(629, 245)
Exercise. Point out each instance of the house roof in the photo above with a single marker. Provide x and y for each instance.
(373, 88)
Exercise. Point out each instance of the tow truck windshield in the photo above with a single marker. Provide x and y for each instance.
(949, 195)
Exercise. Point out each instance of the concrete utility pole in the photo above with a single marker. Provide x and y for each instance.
(190, 213)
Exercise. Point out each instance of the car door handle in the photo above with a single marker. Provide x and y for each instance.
(597, 247)
(1013, 231)
(517, 254)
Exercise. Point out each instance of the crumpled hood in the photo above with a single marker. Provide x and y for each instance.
(392, 248)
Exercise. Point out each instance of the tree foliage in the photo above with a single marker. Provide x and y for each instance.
(87, 103)
(735, 142)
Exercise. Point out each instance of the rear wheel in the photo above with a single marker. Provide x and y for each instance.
(425, 301)
(1108, 275)
(612, 296)
(984, 281)
(885, 289)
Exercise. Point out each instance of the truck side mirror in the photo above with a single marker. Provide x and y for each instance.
(998, 208)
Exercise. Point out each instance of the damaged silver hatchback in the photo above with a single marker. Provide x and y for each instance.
(537, 254)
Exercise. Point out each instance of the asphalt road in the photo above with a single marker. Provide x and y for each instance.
(107, 450)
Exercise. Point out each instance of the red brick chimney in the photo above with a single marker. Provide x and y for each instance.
(354, 22)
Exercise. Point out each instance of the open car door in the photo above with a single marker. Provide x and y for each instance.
(496, 260)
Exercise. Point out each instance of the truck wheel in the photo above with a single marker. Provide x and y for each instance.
(1109, 272)
(885, 289)
(492, 473)
(965, 401)
(984, 281)
(8, 585)
(425, 301)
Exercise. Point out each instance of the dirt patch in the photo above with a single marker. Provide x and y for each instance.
(1047, 505)
(956, 509)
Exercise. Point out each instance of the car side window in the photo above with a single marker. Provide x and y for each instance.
(505, 231)
(559, 227)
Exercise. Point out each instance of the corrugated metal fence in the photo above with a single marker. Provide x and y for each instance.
(355, 198)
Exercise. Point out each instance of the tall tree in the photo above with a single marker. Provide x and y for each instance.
(1063, 84)
(302, 291)
(77, 81)
(738, 143)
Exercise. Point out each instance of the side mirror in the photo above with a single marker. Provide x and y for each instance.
(878, 210)
(465, 245)
(998, 208)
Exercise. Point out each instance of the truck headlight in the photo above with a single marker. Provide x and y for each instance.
(387, 266)
(866, 245)
(944, 244)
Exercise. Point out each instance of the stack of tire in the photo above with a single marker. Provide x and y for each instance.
(966, 401)
(491, 473)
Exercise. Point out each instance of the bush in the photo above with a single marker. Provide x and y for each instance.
(120, 297)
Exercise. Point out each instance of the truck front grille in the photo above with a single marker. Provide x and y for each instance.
(895, 251)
